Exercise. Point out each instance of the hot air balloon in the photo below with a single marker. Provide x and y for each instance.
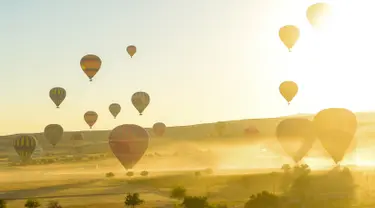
(131, 50)
(53, 133)
(289, 35)
(318, 13)
(57, 95)
(251, 130)
(335, 129)
(288, 90)
(25, 146)
(77, 140)
(91, 117)
(220, 128)
(296, 136)
(90, 64)
(140, 101)
(159, 128)
(115, 109)
(128, 143)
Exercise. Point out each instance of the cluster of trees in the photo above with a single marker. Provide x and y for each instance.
(62, 159)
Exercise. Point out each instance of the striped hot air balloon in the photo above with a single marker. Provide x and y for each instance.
(91, 64)
(57, 95)
(25, 145)
(91, 117)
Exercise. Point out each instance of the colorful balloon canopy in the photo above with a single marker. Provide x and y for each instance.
(288, 90)
(131, 50)
(57, 95)
(91, 64)
(91, 117)
(318, 14)
(159, 128)
(53, 133)
(335, 129)
(140, 101)
(128, 143)
(289, 35)
(115, 109)
(25, 145)
(296, 136)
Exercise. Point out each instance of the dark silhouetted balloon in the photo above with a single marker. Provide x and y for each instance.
(57, 95)
(288, 90)
(296, 136)
(90, 64)
(91, 117)
(53, 133)
(289, 35)
(115, 109)
(25, 145)
(318, 14)
(131, 50)
(159, 128)
(336, 128)
(140, 100)
(128, 143)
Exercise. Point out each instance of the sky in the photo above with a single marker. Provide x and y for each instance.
(200, 61)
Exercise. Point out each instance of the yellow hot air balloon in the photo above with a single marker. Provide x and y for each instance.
(25, 146)
(131, 50)
(288, 90)
(289, 35)
(90, 64)
(318, 14)
(57, 95)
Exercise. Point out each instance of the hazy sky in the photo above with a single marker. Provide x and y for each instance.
(200, 61)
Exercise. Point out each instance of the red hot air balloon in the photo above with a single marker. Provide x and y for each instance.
(159, 128)
(90, 117)
(128, 143)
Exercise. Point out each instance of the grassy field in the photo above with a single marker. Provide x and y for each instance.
(241, 164)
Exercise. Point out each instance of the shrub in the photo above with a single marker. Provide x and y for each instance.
(130, 173)
(144, 173)
(3, 203)
(54, 204)
(32, 203)
(109, 175)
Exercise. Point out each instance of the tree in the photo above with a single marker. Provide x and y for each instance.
(178, 192)
(133, 200)
(32, 203)
(286, 168)
(195, 202)
(3, 203)
(54, 204)
(263, 200)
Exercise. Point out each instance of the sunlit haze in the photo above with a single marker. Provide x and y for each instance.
(200, 61)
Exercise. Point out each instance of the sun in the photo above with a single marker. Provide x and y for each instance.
(336, 60)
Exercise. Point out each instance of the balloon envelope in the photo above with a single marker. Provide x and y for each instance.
(318, 14)
(288, 90)
(140, 101)
(296, 136)
(57, 95)
(131, 50)
(335, 129)
(53, 133)
(115, 109)
(289, 35)
(128, 143)
(25, 145)
(90, 65)
(159, 128)
(91, 117)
